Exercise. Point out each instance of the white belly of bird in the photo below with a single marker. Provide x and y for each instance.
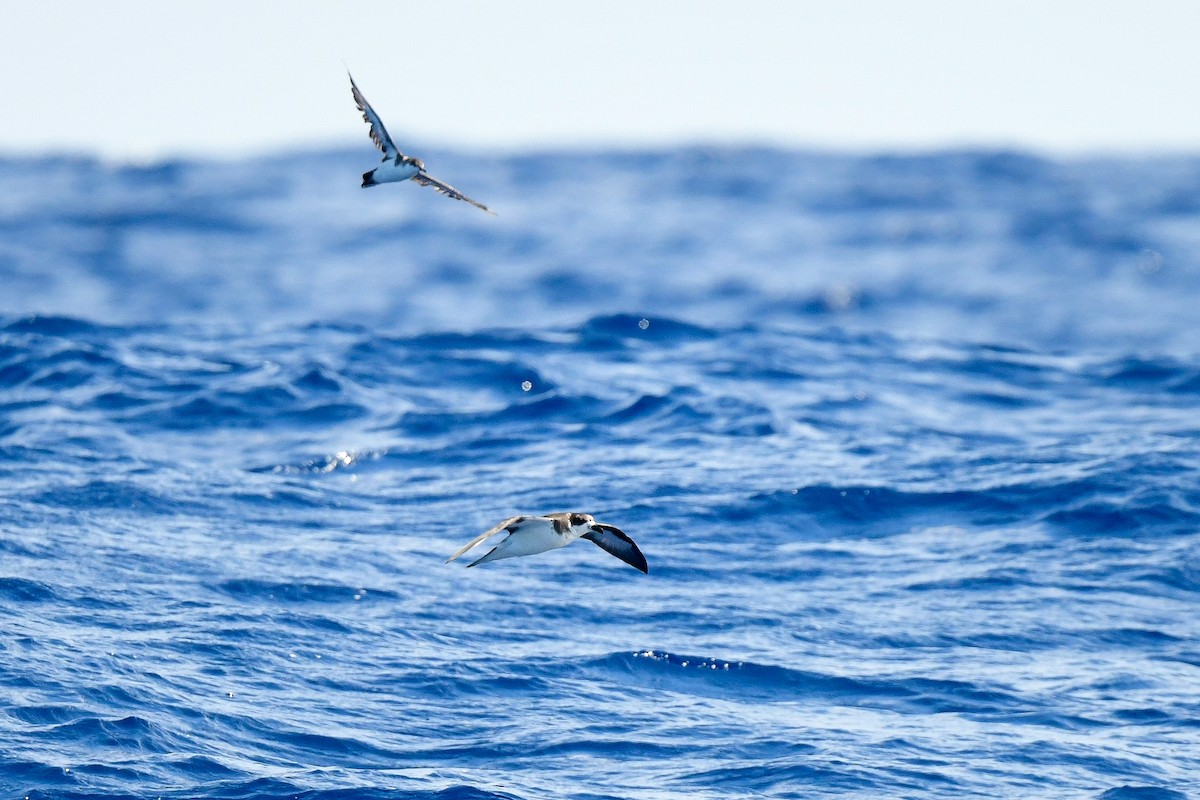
(530, 540)
(389, 172)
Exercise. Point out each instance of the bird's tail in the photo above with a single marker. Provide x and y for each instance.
(368, 179)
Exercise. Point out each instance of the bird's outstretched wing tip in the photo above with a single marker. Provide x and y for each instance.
(482, 558)
(492, 531)
(425, 179)
(617, 543)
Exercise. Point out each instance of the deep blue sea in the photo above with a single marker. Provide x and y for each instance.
(911, 443)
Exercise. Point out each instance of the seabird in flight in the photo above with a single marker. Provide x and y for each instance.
(528, 535)
(397, 166)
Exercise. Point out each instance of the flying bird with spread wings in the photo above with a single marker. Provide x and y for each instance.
(525, 536)
(396, 165)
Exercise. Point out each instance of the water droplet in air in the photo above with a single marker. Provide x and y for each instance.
(840, 298)
(643, 323)
(1150, 262)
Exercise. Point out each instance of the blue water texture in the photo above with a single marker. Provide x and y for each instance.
(911, 443)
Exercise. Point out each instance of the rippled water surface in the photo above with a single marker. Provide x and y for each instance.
(910, 444)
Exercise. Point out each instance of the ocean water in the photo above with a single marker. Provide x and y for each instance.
(911, 444)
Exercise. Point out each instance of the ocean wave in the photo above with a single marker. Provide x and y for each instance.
(908, 442)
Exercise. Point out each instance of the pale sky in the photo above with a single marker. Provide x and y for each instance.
(134, 79)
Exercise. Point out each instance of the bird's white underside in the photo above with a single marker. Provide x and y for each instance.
(533, 536)
(389, 172)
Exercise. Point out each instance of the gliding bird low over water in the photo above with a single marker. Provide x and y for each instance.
(397, 166)
(529, 535)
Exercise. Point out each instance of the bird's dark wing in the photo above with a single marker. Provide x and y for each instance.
(615, 542)
(379, 134)
(503, 526)
(425, 179)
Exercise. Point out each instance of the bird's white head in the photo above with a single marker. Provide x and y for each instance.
(581, 520)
